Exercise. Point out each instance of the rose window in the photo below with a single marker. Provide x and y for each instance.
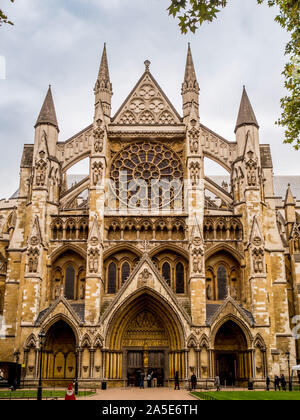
(147, 174)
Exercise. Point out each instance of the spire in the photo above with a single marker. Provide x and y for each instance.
(289, 198)
(190, 86)
(190, 74)
(103, 88)
(48, 114)
(104, 70)
(246, 114)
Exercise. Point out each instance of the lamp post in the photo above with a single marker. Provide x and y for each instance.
(17, 356)
(290, 383)
(76, 370)
(42, 337)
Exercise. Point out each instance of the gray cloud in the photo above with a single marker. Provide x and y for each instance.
(60, 42)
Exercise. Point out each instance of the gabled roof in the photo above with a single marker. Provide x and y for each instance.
(246, 114)
(216, 311)
(156, 283)
(47, 114)
(75, 311)
(147, 104)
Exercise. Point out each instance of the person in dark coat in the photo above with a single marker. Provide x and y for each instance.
(142, 380)
(283, 382)
(194, 381)
(177, 381)
(277, 383)
(268, 381)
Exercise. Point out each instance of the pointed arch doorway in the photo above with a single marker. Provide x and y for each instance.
(145, 336)
(233, 359)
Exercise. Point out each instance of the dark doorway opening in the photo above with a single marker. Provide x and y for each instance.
(226, 363)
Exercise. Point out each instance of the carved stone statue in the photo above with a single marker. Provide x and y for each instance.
(97, 172)
(82, 290)
(258, 263)
(209, 293)
(195, 173)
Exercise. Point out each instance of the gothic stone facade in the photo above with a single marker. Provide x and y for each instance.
(122, 280)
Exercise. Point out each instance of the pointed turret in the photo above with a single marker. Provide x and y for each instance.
(290, 209)
(190, 86)
(47, 114)
(103, 88)
(246, 114)
(46, 126)
(289, 198)
(247, 126)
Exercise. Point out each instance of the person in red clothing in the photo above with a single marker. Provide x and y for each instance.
(70, 393)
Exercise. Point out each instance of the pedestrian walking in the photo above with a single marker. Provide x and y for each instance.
(283, 382)
(268, 381)
(177, 381)
(149, 380)
(142, 380)
(194, 382)
(277, 383)
(218, 383)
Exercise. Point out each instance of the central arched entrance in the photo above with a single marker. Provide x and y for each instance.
(233, 363)
(145, 336)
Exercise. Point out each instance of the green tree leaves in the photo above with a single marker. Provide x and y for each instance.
(4, 18)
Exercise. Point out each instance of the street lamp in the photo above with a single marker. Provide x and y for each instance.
(76, 370)
(290, 382)
(17, 356)
(42, 338)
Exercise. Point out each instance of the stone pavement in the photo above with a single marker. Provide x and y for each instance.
(135, 394)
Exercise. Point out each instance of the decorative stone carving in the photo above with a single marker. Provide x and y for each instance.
(98, 137)
(145, 279)
(251, 166)
(97, 172)
(195, 173)
(197, 260)
(33, 260)
(258, 260)
(194, 140)
(40, 171)
(93, 260)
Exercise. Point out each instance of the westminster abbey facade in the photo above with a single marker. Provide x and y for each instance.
(147, 264)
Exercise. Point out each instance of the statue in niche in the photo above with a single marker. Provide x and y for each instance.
(82, 290)
(99, 137)
(195, 173)
(57, 289)
(258, 263)
(252, 170)
(93, 261)
(234, 291)
(194, 140)
(197, 260)
(209, 292)
(97, 172)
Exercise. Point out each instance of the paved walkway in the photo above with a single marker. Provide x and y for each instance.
(135, 394)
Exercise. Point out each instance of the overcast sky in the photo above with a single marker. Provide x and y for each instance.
(60, 42)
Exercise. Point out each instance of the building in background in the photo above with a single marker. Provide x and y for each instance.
(147, 264)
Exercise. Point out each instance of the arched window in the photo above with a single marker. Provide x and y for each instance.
(125, 272)
(112, 279)
(166, 273)
(222, 283)
(179, 278)
(70, 283)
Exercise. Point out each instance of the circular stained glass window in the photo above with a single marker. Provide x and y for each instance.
(147, 174)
